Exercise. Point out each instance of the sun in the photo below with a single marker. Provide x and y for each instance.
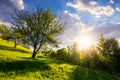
(84, 42)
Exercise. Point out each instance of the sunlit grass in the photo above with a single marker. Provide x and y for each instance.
(16, 64)
(11, 45)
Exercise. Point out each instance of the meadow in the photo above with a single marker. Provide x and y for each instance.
(17, 64)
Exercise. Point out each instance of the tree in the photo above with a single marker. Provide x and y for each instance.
(75, 56)
(100, 44)
(5, 32)
(18, 39)
(62, 54)
(113, 50)
(111, 46)
(108, 47)
(38, 27)
(110, 52)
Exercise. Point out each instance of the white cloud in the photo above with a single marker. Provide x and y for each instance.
(7, 8)
(92, 7)
(75, 16)
(93, 3)
(111, 1)
(18, 3)
(118, 9)
(98, 11)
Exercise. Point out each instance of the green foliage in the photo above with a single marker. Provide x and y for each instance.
(86, 58)
(108, 49)
(5, 32)
(75, 56)
(52, 53)
(61, 54)
(10, 34)
(18, 39)
(105, 56)
(38, 27)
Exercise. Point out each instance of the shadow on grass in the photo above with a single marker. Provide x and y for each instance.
(89, 74)
(2, 47)
(35, 59)
(41, 56)
(23, 66)
(45, 59)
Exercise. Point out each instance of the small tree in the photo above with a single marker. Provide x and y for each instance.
(38, 27)
(18, 38)
(74, 53)
(7, 33)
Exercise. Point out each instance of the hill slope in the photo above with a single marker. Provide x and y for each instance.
(16, 64)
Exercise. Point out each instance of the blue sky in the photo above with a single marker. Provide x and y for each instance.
(83, 17)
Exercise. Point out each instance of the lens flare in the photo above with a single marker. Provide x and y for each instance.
(84, 42)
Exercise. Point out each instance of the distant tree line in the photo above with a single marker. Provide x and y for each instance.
(104, 56)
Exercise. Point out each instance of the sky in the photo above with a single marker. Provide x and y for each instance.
(83, 17)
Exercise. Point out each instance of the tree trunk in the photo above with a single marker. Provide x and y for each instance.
(34, 54)
(36, 50)
(15, 43)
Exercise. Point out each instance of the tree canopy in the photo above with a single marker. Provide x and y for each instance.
(39, 27)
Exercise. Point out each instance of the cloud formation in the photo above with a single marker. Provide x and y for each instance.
(74, 27)
(75, 16)
(92, 7)
(111, 1)
(108, 29)
(118, 9)
(7, 8)
(18, 4)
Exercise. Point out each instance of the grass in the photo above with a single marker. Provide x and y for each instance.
(16, 64)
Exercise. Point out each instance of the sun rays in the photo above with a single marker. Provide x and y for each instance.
(84, 42)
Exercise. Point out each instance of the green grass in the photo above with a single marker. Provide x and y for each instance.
(16, 64)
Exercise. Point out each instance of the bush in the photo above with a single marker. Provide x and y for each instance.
(62, 54)
(52, 53)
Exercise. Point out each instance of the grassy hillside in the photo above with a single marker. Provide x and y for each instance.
(16, 64)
